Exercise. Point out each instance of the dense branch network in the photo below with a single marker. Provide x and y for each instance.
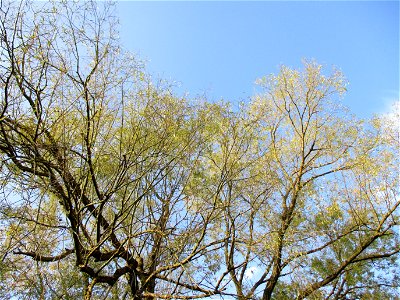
(112, 185)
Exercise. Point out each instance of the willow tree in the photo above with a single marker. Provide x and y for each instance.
(95, 159)
(115, 188)
(310, 195)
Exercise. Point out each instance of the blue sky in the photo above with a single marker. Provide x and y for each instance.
(221, 48)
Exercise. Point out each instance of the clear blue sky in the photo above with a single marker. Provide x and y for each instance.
(220, 48)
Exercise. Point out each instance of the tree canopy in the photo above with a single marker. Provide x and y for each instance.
(114, 187)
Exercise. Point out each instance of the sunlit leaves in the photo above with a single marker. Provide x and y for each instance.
(133, 190)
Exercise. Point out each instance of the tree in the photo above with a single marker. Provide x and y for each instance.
(311, 197)
(115, 188)
(95, 158)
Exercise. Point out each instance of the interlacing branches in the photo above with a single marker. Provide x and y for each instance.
(112, 187)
